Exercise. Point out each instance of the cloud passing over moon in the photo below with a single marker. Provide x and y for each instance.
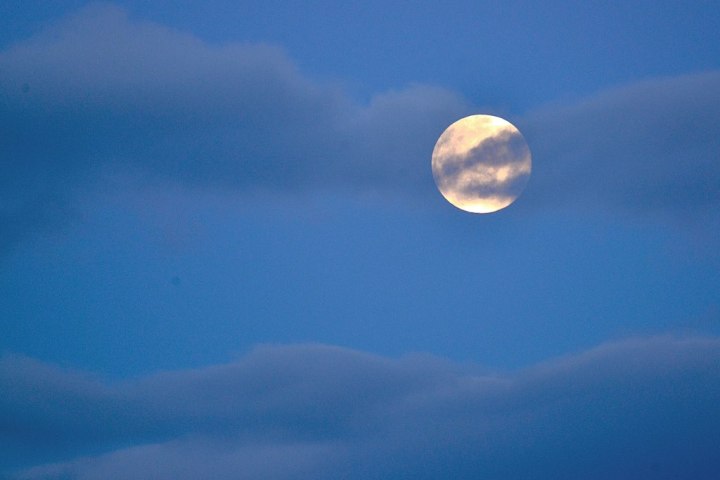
(481, 163)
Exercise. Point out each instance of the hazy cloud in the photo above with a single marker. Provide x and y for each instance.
(99, 92)
(630, 409)
(650, 146)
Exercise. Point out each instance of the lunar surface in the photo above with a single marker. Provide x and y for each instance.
(481, 163)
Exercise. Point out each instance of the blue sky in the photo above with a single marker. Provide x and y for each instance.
(222, 253)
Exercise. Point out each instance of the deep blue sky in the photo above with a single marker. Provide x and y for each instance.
(218, 221)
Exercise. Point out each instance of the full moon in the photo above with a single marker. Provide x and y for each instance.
(481, 163)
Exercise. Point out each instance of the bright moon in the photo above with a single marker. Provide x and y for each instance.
(481, 163)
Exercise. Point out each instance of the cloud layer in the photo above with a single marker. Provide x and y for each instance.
(642, 408)
(99, 92)
(647, 147)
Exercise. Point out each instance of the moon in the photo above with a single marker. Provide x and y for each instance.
(481, 163)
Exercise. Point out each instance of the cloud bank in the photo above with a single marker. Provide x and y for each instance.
(99, 92)
(650, 146)
(641, 408)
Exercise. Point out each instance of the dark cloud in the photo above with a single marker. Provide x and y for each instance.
(506, 149)
(643, 408)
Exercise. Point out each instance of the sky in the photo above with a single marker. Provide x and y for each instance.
(223, 254)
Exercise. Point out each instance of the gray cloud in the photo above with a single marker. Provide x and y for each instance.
(99, 92)
(630, 409)
(648, 147)
(507, 149)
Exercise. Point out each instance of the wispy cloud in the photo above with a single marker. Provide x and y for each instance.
(630, 409)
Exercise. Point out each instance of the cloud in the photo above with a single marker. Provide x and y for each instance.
(647, 147)
(99, 92)
(629, 409)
